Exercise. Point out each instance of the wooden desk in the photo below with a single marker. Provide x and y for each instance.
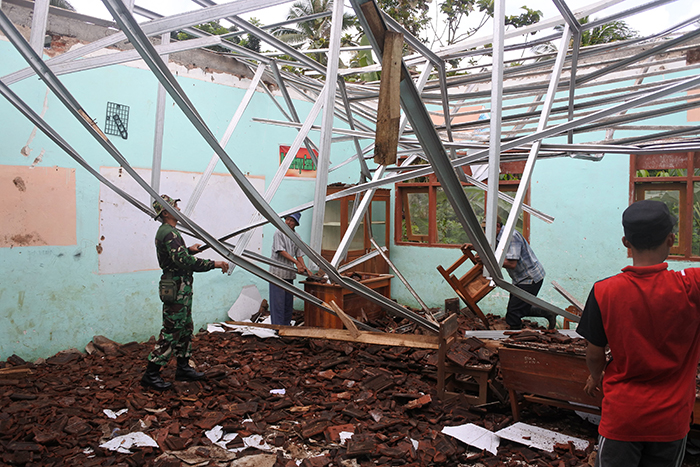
(546, 378)
(351, 303)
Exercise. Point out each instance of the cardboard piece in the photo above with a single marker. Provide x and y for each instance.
(247, 304)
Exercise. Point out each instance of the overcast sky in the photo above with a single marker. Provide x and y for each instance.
(646, 23)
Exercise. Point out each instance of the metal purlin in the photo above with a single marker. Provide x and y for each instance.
(281, 171)
(509, 227)
(576, 31)
(420, 121)
(443, 168)
(74, 107)
(495, 118)
(151, 28)
(677, 131)
(145, 48)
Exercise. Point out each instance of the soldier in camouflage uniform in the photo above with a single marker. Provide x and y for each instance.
(178, 264)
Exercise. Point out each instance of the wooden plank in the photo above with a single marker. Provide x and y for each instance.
(568, 296)
(14, 371)
(561, 404)
(449, 326)
(256, 325)
(389, 105)
(397, 340)
(375, 22)
(349, 325)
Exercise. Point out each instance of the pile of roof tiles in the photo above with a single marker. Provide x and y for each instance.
(323, 402)
(549, 340)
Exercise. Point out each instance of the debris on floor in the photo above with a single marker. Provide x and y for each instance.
(310, 402)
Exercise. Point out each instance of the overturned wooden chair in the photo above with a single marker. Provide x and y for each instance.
(472, 286)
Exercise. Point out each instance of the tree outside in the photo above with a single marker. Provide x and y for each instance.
(315, 33)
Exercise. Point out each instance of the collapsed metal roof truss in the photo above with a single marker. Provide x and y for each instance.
(531, 115)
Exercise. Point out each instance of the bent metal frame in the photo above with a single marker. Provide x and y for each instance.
(531, 117)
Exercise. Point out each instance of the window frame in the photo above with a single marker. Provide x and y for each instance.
(684, 184)
(430, 187)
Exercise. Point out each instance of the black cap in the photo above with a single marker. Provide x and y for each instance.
(647, 223)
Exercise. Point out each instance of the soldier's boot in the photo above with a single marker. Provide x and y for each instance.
(185, 372)
(152, 379)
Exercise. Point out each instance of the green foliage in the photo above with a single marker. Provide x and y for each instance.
(363, 58)
(314, 34)
(695, 247)
(606, 33)
(524, 19)
(603, 34)
(661, 173)
(411, 14)
(457, 11)
(62, 4)
(250, 42)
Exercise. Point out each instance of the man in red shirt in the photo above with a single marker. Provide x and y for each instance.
(649, 318)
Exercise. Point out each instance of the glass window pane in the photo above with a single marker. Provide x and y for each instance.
(477, 199)
(662, 173)
(379, 222)
(418, 209)
(358, 241)
(331, 226)
(696, 219)
(672, 199)
(504, 208)
(449, 229)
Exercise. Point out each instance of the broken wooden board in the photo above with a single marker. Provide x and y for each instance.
(395, 340)
(347, 321)
(568, 296)
(389, 105)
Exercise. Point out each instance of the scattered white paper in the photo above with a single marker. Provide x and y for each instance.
(539, 438)
(215, 433)
(257, 442)
(247, 304)
(474, 435)
(415, 444)
(344, 436)
(262, 333)
(280, 392)
(112, 414)
(123, 443)
(218, 437)
(214, 327)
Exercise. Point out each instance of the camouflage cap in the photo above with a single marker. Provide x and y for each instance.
(158, 208)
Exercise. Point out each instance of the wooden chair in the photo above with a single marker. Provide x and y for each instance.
(447, 371)
(472, 286)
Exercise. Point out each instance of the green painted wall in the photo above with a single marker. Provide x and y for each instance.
(53, 297)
